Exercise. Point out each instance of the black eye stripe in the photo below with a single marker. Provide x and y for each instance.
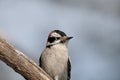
(52, 39)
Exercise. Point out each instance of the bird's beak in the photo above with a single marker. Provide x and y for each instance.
(65, 38)
(68, 38)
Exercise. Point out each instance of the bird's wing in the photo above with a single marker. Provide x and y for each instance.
(40, 62)
(69, 69)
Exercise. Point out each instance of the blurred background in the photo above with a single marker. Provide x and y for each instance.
(94, 24)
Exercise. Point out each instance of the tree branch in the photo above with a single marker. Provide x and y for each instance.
(20, 63)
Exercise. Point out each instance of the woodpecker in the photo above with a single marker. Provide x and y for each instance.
(54, 59)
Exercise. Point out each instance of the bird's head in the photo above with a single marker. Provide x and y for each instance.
(57, 37)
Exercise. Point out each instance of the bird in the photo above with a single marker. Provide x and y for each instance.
(54, 59)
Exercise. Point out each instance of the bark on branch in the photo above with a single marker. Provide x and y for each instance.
(20, 63)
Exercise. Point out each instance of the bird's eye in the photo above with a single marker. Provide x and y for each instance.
(57, 38)
(51, 39)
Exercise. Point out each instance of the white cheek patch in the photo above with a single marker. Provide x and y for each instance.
(55, 34)
(55, 42)
(58, 41)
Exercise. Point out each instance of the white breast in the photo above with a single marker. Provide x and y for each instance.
(54, 60)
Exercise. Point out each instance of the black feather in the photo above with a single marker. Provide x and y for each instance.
(60, 32)
(51, 39)
(69, 69)
(40, 61)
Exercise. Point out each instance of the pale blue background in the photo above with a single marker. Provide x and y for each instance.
(94, 24)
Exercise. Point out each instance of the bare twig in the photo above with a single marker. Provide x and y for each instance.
(20, 63)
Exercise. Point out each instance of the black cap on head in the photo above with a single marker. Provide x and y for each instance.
(60, 32)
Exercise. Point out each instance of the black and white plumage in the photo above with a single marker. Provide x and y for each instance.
(55, 59)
